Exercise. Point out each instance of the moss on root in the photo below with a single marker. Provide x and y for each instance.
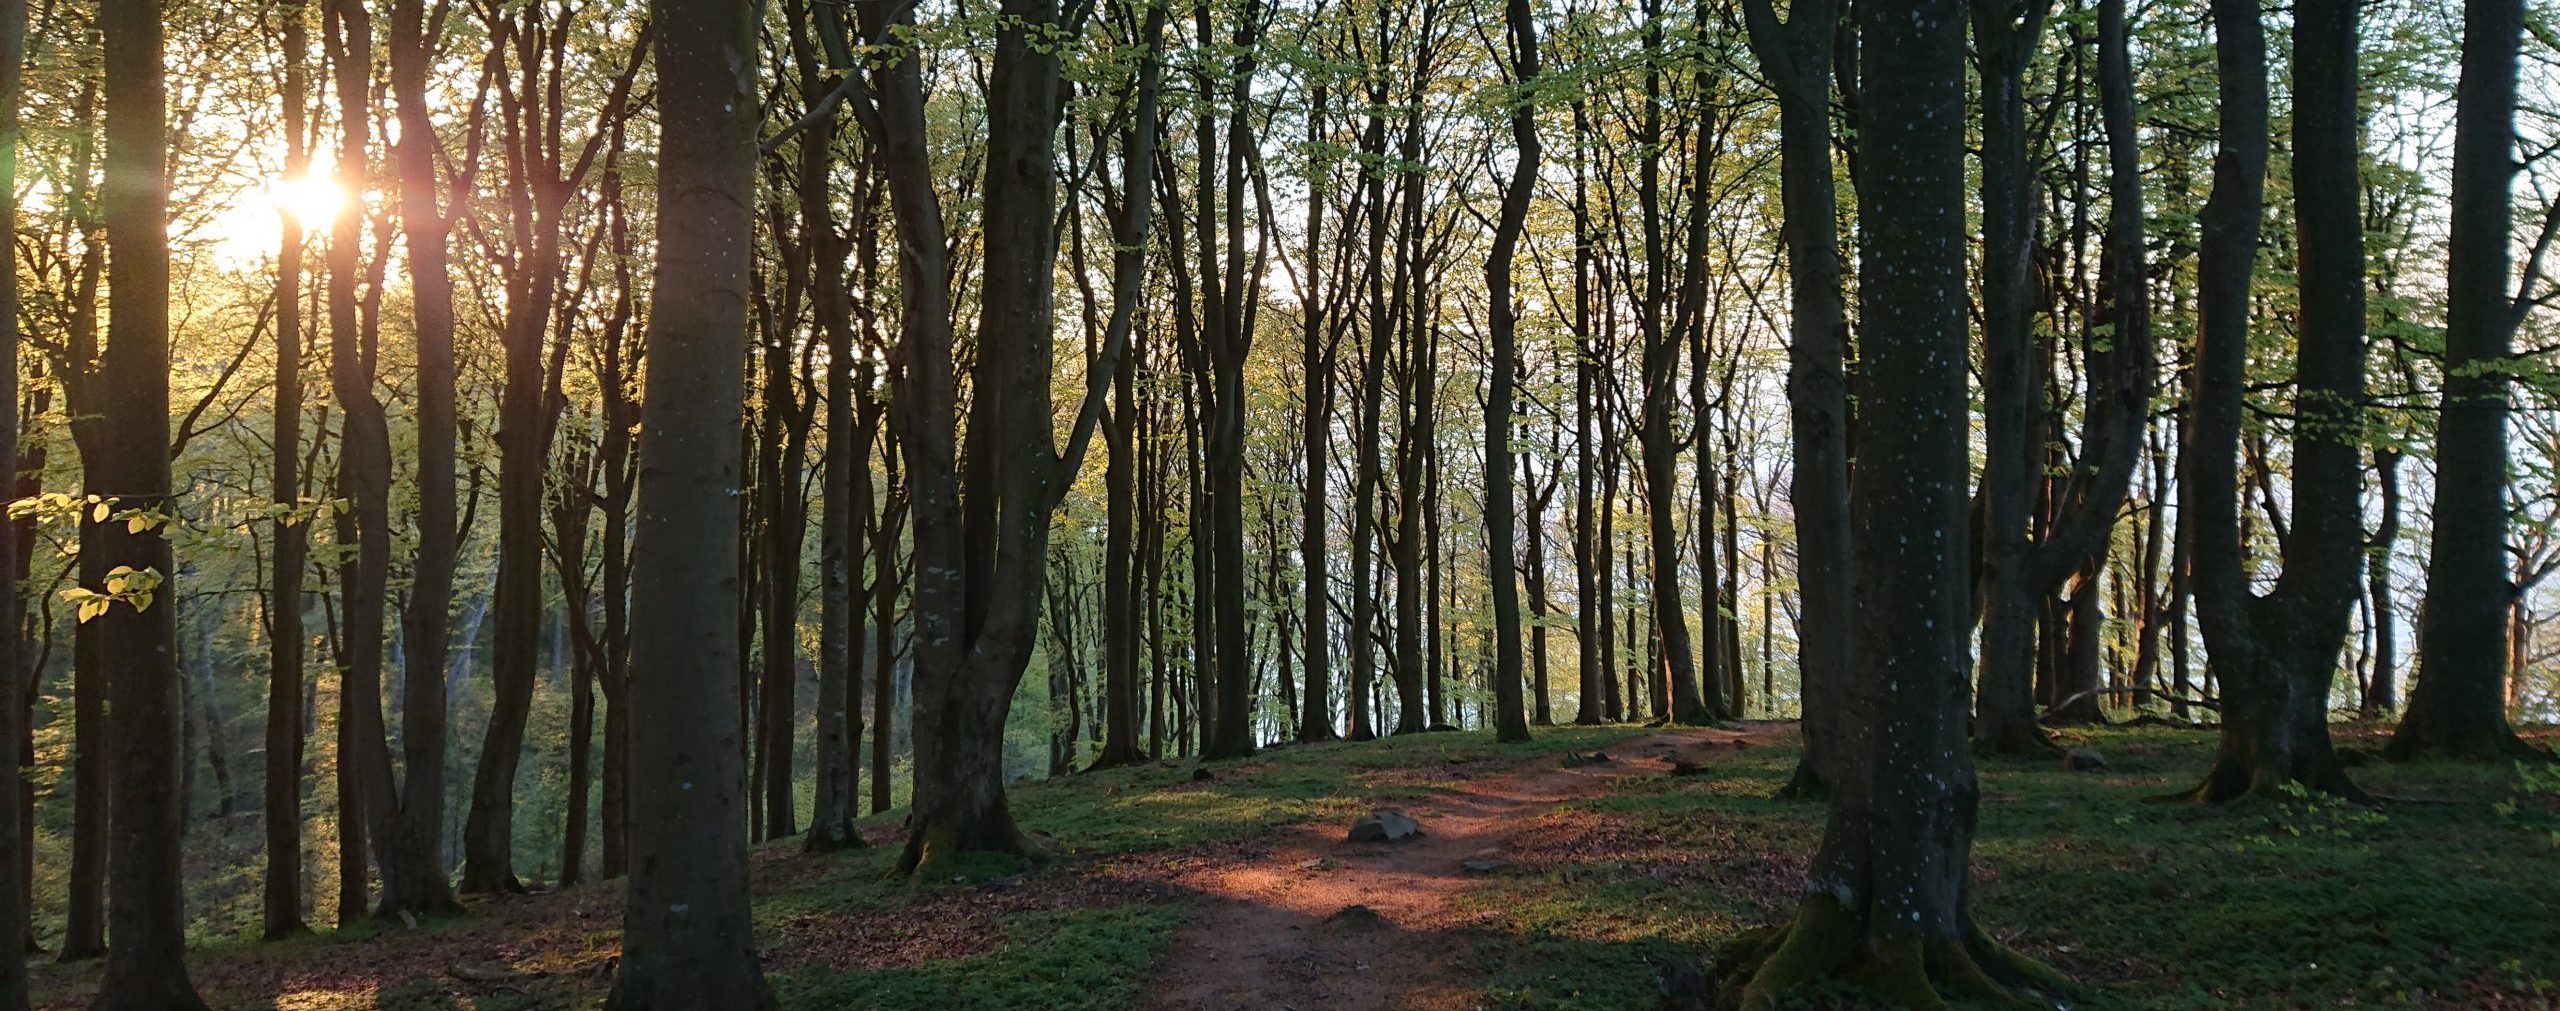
(1828, 941)
(940, 852)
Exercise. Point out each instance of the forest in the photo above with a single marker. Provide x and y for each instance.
(671, 505)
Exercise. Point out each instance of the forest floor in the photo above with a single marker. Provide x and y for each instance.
(1545, 880)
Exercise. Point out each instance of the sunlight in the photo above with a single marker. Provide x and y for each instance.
(248, 230)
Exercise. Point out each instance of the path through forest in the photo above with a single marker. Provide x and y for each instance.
(1306, 919)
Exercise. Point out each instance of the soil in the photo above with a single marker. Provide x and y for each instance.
(1304, 919)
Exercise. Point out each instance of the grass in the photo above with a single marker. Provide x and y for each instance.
(2441, 900)
(2446, 901)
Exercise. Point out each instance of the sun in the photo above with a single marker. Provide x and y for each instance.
(248, 229)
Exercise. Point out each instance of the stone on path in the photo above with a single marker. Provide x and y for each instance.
(1384, 826)
(1355, 917)
(2083, 760)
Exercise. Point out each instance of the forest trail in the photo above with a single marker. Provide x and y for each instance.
(1276, 928)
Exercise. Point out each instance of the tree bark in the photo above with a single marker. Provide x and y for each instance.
(16, 843)
(688, 940)
(281, 892)
(146, 968)
(2275, 654)
(1510, 720)
(2457, 708)
(418, 824)
(1887, 904)
(1797, 55)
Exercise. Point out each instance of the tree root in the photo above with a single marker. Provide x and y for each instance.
(2225, 783)
(1827, 941)
(932, 853)
(1804, 784)
(2018, 740)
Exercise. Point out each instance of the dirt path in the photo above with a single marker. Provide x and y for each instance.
(1273, 931)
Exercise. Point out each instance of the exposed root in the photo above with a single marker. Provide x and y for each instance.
(1107, 760)
(2228, 781)
(933, 852)
(1827, 941)
(2017, 740)
(1805, 784)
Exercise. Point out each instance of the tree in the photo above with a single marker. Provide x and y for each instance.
(2276, 653)
(2458, 706)
(367, 798)
(687, 932)
(15, 882)
(1796, 56)
(1510, 721)
(137, 629)
(282, 909)
(980, 536)
(1129, 231)
(416, 821)
(1887, 901)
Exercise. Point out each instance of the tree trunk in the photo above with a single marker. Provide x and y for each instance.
(2382, 695)
(1510, 721)
(418, 824)
(2458, 706)
(281, 892)
(146, 968)
(1887, 904)
(2275, 654)
(16, 841)
(1796, 55)
(687, 940)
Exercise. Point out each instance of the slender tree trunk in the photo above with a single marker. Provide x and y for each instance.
(2383, 694)
(2014, 420)
(1797, 56)
(282, 891)
(16, 841)
(1315, 720)
(418, 833)
(1510, 721)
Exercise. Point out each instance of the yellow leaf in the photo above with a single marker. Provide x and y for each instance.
(137, 524)
(98, 514)
(92, 608)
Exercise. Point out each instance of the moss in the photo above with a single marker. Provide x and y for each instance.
(1822, 936)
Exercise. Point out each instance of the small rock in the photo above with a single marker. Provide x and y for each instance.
(1681, 768)
(1574, 758)
(1740, 744)
(1317, 864)
(1384, 826)
(1203, 776)
(1481, 865)
(2083, 760)
(1355, 917)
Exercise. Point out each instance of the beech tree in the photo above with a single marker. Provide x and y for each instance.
(1887, 903)
(15, 858)
(2276, 653)
(2457, 708)
(687, 936)
(137, 628)
(1521, 40)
